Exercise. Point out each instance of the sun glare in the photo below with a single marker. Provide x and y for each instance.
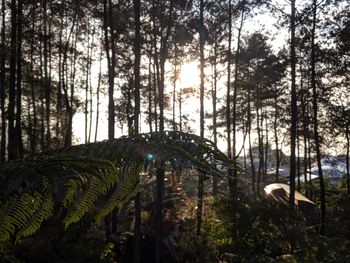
(189, 75)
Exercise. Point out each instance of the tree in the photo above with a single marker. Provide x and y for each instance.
(2, 83)
(110, 45)
(137, 83)
(201, 112)
(261, 74)
(12, 148)
(315, 118)
(18, 126)
(293, 106)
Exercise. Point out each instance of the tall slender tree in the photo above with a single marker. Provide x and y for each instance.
(293, 106)
(202, 34)
(315, 118)
(110, 46)
(18, 128)
(3, 83)
(137, 83)
(47, 81)
(12, 148)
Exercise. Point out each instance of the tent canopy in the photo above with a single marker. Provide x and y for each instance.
(280, 193)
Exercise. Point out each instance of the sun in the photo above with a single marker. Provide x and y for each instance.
(189, 75)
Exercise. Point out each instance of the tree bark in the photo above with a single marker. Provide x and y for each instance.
(260, 147)
(18, 128)
(347, 157)
(109, 45)
(201, 112)
(47, 81)
(293, 108)
(174, 86)
(150, 91)
(276, 139)
(68, 98)
(249, 121)
(228, 97)
(86, 106)
(137, 83)
(12, 152)
(3, 84)
(214, 100)
(233, 184)
(160, 173)
(98, 95)
(110, 54)
(315, 115)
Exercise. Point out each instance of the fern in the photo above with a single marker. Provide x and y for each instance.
(75, 178)
(86, 202)
(125, 190)
(41, 213)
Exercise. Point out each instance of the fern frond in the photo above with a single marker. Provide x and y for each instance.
(16, 215)
(75, 178)
(41, 213)
(98, 186)
(127, 188)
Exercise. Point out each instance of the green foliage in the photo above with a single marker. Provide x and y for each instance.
(99, 176)
(262, 231)
(108, 254)
(192, 247)
(34, 188)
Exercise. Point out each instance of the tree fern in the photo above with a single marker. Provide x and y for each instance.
(75, 178)
(42, 212)
(125, 190)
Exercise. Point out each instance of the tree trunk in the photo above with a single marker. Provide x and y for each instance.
(249, 123)
(156, 76)
(293, 108)
(266, 149)
(160, 173)
(150, 92)
(33, 137)
(315, 115)
(347, 157)
(42, 97)
(19, 140)
(12, 152)
(260, 148)
(60, 72)
(228, 98)
(137, 83)
(90, 81)
(111, 56)
(3, 84)
(47, 81)
(298, 162)
(276, 139)
(309, 162)
(201, 113)
(68, 98)
(305, 134)
(109, 47)
(86, 106)
(98, 95)
(233, 189)
(174, 87)
(214, 98)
